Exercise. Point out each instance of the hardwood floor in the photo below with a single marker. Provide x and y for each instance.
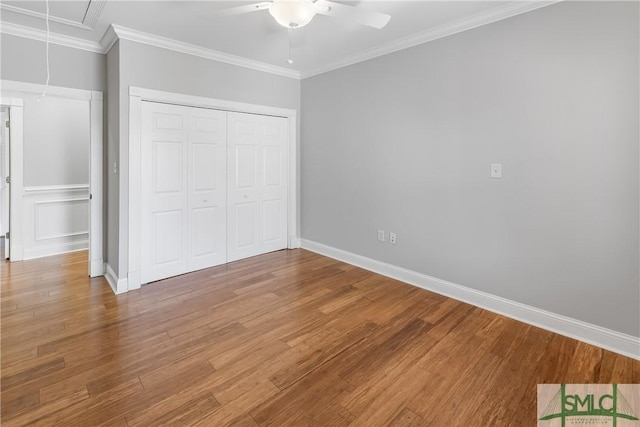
(287, 338)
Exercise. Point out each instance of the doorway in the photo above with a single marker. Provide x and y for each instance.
(49, 219)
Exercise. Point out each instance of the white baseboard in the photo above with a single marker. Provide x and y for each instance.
(592, 334)
(118, 286)
(57, 249)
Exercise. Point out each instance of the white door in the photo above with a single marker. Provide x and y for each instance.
(183, 189)
(257, 184)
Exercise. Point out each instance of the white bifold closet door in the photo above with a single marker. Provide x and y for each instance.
(184, 189)
(256, 184)
(214, 188)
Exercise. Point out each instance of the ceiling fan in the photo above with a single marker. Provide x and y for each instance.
(298, 13)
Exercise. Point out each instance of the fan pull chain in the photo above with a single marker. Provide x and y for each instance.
(290, 60)
(46, 84)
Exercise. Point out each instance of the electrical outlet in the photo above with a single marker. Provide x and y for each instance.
(380, 235)
(393, 237)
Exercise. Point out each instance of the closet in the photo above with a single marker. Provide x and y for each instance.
(214, 187)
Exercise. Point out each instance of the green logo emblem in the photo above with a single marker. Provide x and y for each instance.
(586, 401)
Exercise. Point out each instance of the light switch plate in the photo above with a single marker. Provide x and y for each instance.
(496, 170)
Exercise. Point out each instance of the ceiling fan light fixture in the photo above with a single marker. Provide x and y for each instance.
(292, 13)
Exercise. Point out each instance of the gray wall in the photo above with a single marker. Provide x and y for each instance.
(56, 141)
(24, 60)
(404, 143)
(56, 135)
(155, 68)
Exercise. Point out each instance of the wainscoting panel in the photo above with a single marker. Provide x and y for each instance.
(56, 220)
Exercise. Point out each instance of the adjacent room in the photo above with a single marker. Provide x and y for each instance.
(320, 213)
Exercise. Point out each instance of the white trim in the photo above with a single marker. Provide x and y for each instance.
(54, 38)
(592, 334)
(16, 143)
(97, 266)
(58, 249)
(55, 188)
(10, 102)
(57, 91)
(293, 241)
(61, 236)
(78, 199)
(202, 102)
(115, 32)
(109, 38)
(40, 15)
(458, 26)
(118, 286)
(136, 96)
(202, 52)
(135, 192)
(96, 208)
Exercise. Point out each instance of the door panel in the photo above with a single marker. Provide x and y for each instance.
(246, 166)
(272, 224)
(272, 166)
(183, 189)
(171, 249)
(164, 191)
(168, 167)
(257, 189)
(204, 177)
(205, 234)
(207, 188)
(246, 216)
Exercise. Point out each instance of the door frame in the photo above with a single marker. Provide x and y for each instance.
(136, 96)
(10, 93)
(15, 105)
(5, 187)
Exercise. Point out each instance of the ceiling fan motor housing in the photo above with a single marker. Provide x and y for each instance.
(292, 13)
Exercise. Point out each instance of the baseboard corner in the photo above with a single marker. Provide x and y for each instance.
(118, 286)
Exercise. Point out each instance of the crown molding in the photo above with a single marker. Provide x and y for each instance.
(54, 38)
(40, 15)
(116, 32)
(461, 25)
(109, 38)
(190, 49)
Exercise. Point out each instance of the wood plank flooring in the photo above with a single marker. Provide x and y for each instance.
(288, 338)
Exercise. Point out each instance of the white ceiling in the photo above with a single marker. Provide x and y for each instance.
(325, 43)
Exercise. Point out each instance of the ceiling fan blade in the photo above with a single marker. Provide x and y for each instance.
(363, 16)
(244, 9)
